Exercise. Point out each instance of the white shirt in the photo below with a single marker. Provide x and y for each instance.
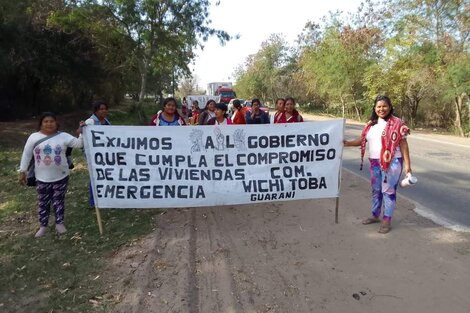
(374, 138)
(235, 114)
(223, 123)
(50, 161)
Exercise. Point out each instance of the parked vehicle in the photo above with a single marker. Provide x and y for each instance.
(226, 94)
(212, 87)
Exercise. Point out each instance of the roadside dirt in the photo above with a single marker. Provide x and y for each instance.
(292, 257)
(285, 257)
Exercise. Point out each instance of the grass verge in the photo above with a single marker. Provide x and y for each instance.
(60, 273)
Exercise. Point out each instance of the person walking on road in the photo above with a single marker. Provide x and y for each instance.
(256, 116)
(47, 149)
(238, 116)
(221, 117)
(280, 108)
(208, 113)
(290, 114)
(388, 153)
(194, 114)
(169, 116)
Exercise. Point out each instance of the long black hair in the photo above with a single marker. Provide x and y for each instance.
(47, 114)
(207, 104)
(374, 117)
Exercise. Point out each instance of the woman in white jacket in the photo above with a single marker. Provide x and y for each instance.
(48, 147)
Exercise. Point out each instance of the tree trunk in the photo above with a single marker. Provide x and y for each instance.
(468, 105)
(143, 80)
(343, 106)
(143, 69)
(458, 101)
(358, 113)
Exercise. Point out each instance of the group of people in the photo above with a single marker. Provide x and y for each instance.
(217, 113)
(385, 134)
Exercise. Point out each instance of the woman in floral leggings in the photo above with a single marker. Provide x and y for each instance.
(48, 147)
(388, 153)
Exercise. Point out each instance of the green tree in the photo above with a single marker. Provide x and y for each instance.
(44, 68)
(433, 36)
(264, 74)
(164, 34)
(335, 66)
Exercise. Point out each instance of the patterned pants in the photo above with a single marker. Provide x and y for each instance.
(51, 193)
(384, 187)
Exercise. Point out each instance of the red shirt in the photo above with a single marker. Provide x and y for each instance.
(295, 118)
(239, 117)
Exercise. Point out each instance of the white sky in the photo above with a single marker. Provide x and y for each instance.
(255, 21)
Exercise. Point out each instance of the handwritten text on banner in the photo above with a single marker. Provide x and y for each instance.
(162, 167)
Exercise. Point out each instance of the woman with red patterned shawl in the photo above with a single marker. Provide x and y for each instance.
(388, 154)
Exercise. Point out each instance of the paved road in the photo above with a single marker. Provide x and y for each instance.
(442, 165)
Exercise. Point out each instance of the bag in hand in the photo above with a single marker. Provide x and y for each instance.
(30, 177)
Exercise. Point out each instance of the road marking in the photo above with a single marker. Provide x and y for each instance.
(439, 141)
(426, 212)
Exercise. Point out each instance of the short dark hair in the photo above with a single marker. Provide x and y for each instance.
(255, 100)
(209, 101)
(97, 104)
(280, 99)
(47, 114)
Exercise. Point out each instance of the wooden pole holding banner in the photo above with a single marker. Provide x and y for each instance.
(339, 178)
(98, 218)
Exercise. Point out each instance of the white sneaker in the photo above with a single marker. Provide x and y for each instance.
(60, 228)
(41, 232)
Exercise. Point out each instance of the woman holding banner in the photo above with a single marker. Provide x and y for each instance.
(388, 150)
(99, 117)
(169, 116)
(46, 148)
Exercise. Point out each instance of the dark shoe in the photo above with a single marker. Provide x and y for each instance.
(371, 220)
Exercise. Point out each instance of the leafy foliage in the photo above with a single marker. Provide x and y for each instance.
(415, 51)
(59, 55)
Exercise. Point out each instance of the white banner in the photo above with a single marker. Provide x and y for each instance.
(190, 166)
